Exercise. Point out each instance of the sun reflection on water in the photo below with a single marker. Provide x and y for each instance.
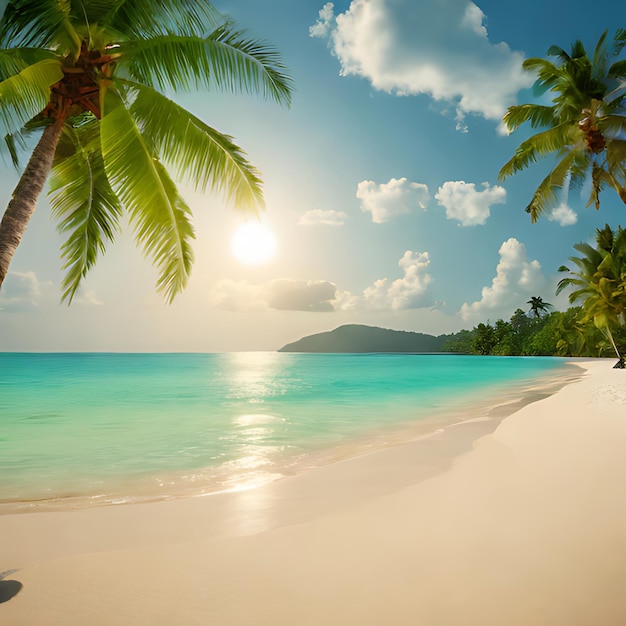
(255, 376)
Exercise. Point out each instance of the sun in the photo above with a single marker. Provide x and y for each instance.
(253, 244)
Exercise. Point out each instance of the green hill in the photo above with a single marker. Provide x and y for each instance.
(359, 338)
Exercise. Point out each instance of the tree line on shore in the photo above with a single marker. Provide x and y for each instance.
(558, 333)
(596, 328)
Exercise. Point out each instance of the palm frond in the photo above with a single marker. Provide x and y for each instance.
(26, 24)
(616, 158)
(590, 255)
(547, 72)
(580, 169)
(612, 125)
(601, 178)
(551, 140)
(14, 60)
(538, 115)
(24, 95)
(159, 215)
(618, 69)
(545, 194)
(224, 59)
(82, 199)
(619, 41)
(17, 142)
(11, 146)
(198, 153)
(600, 57)
(41, 24)
(564, 282)
(146, 18)
(578, 50)
(559, 53)
(93, 11)
(175, 268)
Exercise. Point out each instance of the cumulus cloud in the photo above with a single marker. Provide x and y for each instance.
(325, 22)
(319, 216)
(436, 47)
(22, 292)
(467, 205)
(563, 215)
(387, 200)
(516, 279)
(403, 293)
(300, 295)
(232, 295)
(410, 291)
(282, 294)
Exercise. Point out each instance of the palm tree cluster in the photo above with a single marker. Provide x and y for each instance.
(585, 127)
(600, 282)
(92, 76)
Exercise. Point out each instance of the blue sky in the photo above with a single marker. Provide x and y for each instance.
(380, 184)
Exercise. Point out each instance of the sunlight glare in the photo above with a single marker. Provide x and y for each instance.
(253, 244)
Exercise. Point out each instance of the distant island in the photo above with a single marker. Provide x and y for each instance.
(360, 338)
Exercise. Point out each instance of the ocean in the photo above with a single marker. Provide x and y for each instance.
(82, 429)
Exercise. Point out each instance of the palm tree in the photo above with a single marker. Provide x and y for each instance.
(91, 77)
(538, 306)
(585, 128)
(600, 282)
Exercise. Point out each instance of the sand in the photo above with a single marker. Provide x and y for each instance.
(521, 525)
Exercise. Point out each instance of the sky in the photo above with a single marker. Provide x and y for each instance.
(380, 183)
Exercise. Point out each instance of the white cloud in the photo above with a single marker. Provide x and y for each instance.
(403, 293)
(300, 295)
(345, 301)
(282, 294)
(22, 292)
(435, 47)
(515, 281)
(325, 22)
(463, 203)
(407, 292)
(563, 215)
(241, 295)
(319, 216)
(387, 200)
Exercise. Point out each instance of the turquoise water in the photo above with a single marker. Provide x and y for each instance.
(120, 427)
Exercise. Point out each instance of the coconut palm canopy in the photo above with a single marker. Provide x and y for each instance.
(538, 306)
(599, 280)
(92, 76)
(585, 127)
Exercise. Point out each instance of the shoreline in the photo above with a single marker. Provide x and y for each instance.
(490, 405)
(522, 525)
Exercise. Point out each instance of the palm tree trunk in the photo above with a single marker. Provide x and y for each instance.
(620, 363)
(24, 199)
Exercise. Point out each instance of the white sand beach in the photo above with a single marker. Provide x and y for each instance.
(522, 526)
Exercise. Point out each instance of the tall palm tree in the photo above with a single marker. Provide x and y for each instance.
(600, 282)
(585, 128)
(91, 77)
(538, 306)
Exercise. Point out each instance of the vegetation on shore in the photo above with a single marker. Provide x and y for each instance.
(596, 328)
(585, 129)
(559, 333)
